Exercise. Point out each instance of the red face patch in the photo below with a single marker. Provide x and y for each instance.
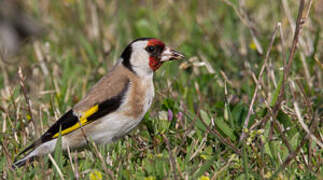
(155, 53)
(155, 42)
(154, 63)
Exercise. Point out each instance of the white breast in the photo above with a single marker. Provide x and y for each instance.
(149, 97)
(117, 124)
(132, 122)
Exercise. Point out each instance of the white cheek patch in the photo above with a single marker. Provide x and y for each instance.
(139, 56)
(140, 59)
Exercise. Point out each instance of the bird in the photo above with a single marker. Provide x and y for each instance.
(113, 106)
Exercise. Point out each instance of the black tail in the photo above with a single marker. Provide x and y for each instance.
(22, 162)
(26, 158)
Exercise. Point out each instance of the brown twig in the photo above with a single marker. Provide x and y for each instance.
(301, 120)
(77, 173)
(311, 116)
(171, 157)
(274, 124)
(22, 84)
(246, 122)
(307, 100)
(40, 57)
(71, 161)
(103, 164)
(287, 67)
(4, 70)
(298, 27)
(6, 152)
(286, 71)
(200, 147)
(278, 128)
(282, 41)
(292, 155)
(221, 138)
(56, 166)
(226, 165)
(15, 108)
(187, 131)
(96, 151)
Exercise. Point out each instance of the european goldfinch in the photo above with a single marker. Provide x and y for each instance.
(114, 106)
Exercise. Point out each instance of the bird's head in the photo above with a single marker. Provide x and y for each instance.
(146, 55)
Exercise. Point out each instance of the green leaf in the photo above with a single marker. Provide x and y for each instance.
(205, 117)
(223, 126)
(267, 150)
(294, 140)
(277, 90)
(205, 167)
(286, 121)
(245, 161)
(239, 113)
(58, 156)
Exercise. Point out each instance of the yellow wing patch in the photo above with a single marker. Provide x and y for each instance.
(82, 121)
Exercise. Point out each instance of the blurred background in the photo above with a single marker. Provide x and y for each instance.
(63, 47)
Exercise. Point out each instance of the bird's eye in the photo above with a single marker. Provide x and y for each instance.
(150, 49)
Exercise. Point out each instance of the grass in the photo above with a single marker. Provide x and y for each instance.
(235, 50)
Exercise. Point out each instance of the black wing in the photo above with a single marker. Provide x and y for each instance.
(70, 122)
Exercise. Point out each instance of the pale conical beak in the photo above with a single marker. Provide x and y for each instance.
(170, 54)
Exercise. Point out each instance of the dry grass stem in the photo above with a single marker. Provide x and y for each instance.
(56, 166)
(71, 162)
(244, 19)
(223, 140)
(172, 160)
(27, 100)
(258, 86)
(301, 120)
